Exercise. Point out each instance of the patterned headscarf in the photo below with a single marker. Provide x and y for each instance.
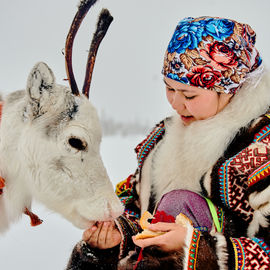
(211, 53)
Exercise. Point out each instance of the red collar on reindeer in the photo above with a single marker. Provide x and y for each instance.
(35, 220)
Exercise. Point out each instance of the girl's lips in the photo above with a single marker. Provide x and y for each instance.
(186, 118)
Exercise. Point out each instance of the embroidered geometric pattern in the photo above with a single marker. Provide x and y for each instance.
(249, 255)
(233, 177)
(259, 174)
(263, 245)
(201, 228)
(259, 137)
(146, 145)
(193, 249)
(233, 190)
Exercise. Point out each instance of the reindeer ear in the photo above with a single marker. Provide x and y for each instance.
(40, 86)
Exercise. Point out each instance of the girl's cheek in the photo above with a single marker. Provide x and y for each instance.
(169, 97)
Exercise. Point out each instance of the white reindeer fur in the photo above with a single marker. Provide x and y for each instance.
(187, 152)
(38, 162)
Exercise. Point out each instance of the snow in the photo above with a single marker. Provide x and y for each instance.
(49, 245)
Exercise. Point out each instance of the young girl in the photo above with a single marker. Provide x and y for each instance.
(209, 161)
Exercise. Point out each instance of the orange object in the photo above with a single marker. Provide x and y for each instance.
(148, 234)
(144, 220)
(144, 223)
(2, 182)
(35, 220)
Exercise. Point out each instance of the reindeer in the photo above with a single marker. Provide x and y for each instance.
(49, 144)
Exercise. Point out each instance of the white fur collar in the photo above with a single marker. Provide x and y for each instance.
(187, 152)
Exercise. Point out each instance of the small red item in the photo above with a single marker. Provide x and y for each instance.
(139, 259)
(35, 220)
(2, 184)
(161, 216)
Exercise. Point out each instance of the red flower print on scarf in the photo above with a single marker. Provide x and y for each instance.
(204, 76)
(220, 55)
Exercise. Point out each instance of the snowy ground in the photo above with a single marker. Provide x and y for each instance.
(48, 246)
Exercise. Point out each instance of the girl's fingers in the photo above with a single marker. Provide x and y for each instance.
(94, 235)
(109, 233)
(173, 238)
(147, 242)
(163, 226)
(87, 233)
(102, 236)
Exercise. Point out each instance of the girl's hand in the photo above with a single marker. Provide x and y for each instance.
(103, 235)
(172, 240)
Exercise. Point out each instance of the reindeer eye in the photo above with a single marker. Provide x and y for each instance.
(77, 144)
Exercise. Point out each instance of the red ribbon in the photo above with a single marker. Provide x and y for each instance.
(35, 220)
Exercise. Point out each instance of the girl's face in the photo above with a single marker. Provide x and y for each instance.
(193, 103)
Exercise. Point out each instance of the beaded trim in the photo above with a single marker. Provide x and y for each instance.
(193, 249)
(223, 181)
(239, 254)
(260, 173)
(144, 148)
(221, 217)
(262, 134)
(201, 228)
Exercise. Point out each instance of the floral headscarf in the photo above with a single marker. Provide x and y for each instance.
(211, 53)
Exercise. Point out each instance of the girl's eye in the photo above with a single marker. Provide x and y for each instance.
(170, 89)
(192, 97)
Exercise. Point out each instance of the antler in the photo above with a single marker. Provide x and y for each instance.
(103, 24)
(83, 8)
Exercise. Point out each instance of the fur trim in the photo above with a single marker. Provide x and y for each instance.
(186, 246)
(207, 182)
(260, 202)
(257, 221)
(259, 199)
(187, 152)
(153, 258)
(221, 250)
(145, 186)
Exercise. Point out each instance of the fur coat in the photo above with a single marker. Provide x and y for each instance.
(225, 158)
